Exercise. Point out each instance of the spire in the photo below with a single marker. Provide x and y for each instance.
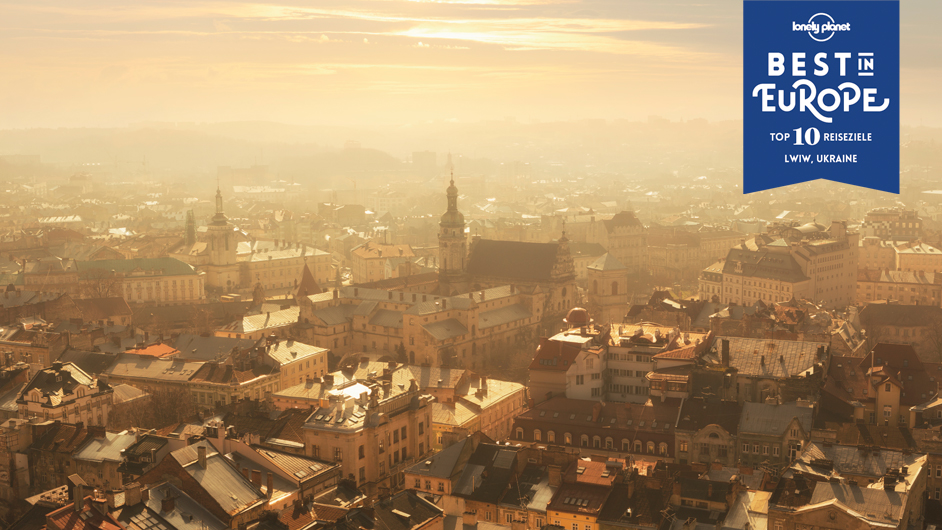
(220, 217)
(564, 239)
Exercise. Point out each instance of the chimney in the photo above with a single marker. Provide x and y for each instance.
(201, 456)
(271, 484)
(245, 473)
(444, 303)
(555, 475)
(725, 350)
(483, 296)
(78, 500)
(596, 411)
(709, 491)
(257, 478)
(167, 503)
(132, 494)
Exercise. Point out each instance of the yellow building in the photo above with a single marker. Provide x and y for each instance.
(457, 331)
(368, 260)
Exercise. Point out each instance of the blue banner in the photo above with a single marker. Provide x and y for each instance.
(821, 93)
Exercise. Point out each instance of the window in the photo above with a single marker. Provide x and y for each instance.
(567, 439)
(403, 433)
(590, 364)
(580, 379)
(428, 485)
(745, 448)
(662, 449)
(596, 442)
(585, 440)
(651, 447)
(755, 448)
(441, 486)
(775, 450)
(338, 454)
(888, 387)
(396, 436)
(765, 449)
(519, 434)
(418, 483)
(683, 447)
(362, 452)
(537, 435)
(551, 437)
(609, 444)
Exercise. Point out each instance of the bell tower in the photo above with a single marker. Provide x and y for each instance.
(221, 239)
(452, 246)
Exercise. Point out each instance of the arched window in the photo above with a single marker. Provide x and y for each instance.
(651, 447)
(537, 435)
(551, 437)
(564, 292)
(662, 449)
(625, 445)
(596, 442)
(519, 433)
(614, 287)
(567, 439)
(609, 444)
(637, 446)
(585, 440)
(595, 287)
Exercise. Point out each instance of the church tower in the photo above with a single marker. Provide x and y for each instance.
(221, 239)
(452, 247)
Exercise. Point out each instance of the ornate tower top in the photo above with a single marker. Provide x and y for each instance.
(452, 218)
(220, 217)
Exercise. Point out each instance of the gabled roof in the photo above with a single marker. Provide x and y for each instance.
(102, 308)
(450, 461)
(163, 266)
(698, 413)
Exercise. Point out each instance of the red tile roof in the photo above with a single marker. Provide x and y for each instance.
(66, 518)
(554, 355)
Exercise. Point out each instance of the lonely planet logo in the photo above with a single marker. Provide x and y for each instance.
(820, 27)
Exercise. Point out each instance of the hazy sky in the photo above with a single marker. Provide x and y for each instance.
(99, 62)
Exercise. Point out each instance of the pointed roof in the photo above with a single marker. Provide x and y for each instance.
(607, 262)
(308, 284)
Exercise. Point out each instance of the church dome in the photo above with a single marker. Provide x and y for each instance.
(578, 317)
(453, 218)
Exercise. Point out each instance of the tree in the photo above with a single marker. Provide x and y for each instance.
(161, 408)
(101, 283)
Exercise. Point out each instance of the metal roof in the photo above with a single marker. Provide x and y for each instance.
(387, 318)
(220, 479)
(287, 351)
(503, 315)
(767, 358)
(105, 449)
(446, 329)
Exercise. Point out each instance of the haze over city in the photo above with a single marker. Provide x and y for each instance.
(392, 63)
(472, 265)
